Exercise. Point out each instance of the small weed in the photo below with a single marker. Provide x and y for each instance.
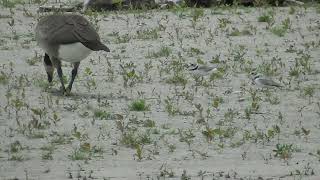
(197, 13)
(15, 147)
(282, 29)
(139, 105)
(130, 77)
(210, 133)
(267, 17)
(84, 152)
(132, 139)
(149, 123)
(316, 154)
(122, 39)
(170, 107)
(34, 60)
(10, 3)
(194, 52)
(217, 101)
(308, 91)
(178, 79)
(101, 114)
(148, 34)
(237, 32)
(284, 151)
(223, 22)
(4, 78)
(138, 153)
(16, 157)
(279, 31)
(292, 10)
(164, 51)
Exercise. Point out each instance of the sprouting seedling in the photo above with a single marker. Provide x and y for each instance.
(110, 72)
(284, 151)
(305, 132)
(139, 152)
(309, 92)
(11, 23)
(147, 67)
(223, 22)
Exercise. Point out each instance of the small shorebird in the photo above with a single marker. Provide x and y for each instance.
(66, 37)
(201, 70)
(261, 81)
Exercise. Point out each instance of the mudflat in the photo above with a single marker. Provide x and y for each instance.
(138, 113)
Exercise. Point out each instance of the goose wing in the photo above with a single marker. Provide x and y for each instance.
(66, 29)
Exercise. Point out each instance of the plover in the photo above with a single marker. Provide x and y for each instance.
(201, 70)
(261, 81)
(66, 37)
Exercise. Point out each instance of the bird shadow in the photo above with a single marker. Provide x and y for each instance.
(80, 95)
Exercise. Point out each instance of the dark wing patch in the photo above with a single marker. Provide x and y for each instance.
(66, 29)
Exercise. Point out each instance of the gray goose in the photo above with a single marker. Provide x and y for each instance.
(66, 37)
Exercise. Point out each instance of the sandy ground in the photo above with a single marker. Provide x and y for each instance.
(220, 127)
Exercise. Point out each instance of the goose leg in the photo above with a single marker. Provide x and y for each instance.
(74, 73)
(57, 64)
(48, 67)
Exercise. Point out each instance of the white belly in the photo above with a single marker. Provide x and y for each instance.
(73, 52)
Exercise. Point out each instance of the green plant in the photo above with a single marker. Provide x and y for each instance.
(267, 17)
(284, 151)
(223, 22)
(4, 78)
(139, 105)
(130, 77)
(170, 107)
(237, 32)
(101, 114)
(178, 79)
(196, 13)
(131, 138)
(10, 3)
(34, 60)
(316, 154)
(122, 38)
(84, 152)
(279, 31)
(210, 133)
(138, 153)
(164, 51)
(282, 29)
(148, 34)
(15, 147)
(308, 91)
(217, 101)
(149, 123)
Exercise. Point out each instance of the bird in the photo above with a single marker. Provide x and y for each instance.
(66, 37)
(201, 70)
(262, 81)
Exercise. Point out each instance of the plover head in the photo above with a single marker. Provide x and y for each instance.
(192, 66)
(256, 76)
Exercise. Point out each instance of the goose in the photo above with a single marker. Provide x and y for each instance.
(66, 37)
